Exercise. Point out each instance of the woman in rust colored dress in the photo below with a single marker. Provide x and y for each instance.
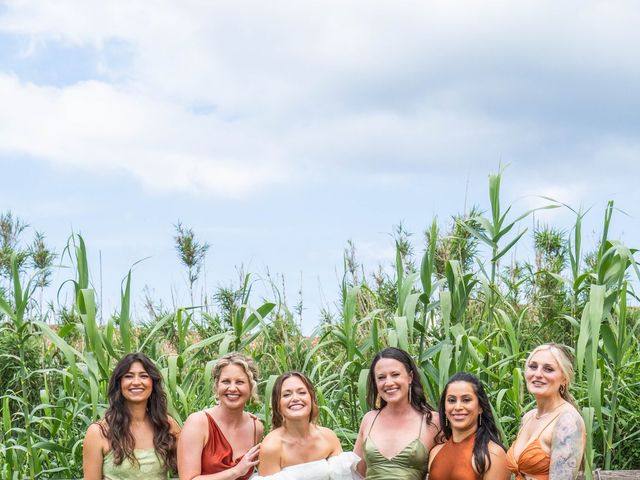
(472, 449)
(222, 443)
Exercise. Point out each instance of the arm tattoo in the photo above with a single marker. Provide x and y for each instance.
(566, 447)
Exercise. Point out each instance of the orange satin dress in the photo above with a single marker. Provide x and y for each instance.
(454, 461)
(217, 454)
(533, 461)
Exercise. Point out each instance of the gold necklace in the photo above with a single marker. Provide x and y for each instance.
(538, 417)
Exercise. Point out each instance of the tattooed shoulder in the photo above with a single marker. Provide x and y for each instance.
(567, 446)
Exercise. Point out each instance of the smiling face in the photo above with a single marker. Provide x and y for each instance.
(295, 400)
(543, 375)
(136, 384)
(462, 407)
(392, 380)
(233, 387)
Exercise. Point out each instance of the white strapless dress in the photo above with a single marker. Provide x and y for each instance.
(340, 467)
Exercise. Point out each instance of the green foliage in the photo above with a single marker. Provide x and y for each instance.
(457, 310)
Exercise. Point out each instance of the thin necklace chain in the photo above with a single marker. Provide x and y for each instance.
(538, 417)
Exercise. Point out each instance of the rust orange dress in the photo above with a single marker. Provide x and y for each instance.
(533, 461)
(454, 461)
(217, 454)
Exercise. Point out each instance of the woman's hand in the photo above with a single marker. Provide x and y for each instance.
(249, 460)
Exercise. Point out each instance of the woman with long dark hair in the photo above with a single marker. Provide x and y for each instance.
(222, 442)
(396, 436)
(472, 449)
(137, 438)
(551, 440)
(298, 448)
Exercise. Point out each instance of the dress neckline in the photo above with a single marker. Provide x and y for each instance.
(532, 442)
(400, 452)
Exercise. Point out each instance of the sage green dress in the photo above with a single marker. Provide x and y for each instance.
(409, 464)
(150, 468)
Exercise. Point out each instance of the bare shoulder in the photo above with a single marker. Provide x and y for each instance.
(196, 419)
(498, 469)
(569, 422)
(273, 438)
(496, 450)
(327, 433)
(95, 439)
(434, 451)
(271, 446)
(368, 419)
(569, 412)
(430, 432)
(94, 432)
(195, 428)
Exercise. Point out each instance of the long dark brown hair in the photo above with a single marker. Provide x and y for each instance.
(276, 414)
(116, 427)
(418, 398)
(487, 430)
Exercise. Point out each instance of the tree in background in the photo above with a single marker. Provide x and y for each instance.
(191, 253)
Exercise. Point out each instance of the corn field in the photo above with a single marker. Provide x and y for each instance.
(465, 303)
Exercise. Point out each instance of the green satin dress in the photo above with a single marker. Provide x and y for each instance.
(409, 464)
(150, 468)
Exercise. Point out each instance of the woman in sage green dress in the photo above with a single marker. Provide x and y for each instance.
(396, 435)
(136, 439)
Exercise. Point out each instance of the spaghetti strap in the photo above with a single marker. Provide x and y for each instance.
(374, 421)
(421, 422)
(255, 428)
(549, 423)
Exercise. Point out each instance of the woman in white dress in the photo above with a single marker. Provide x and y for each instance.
(298, 448)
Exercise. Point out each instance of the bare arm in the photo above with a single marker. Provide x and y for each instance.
(336, 448)
(358, 448)
(433, 452)
(92, 454)
(270, 455)
(430, 431)
(498, 469)
(567, 446)
(190, 445)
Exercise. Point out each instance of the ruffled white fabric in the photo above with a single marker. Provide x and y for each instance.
(340, 467)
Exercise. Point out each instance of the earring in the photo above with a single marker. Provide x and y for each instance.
(563, 390)
(409, 393)
(378, 402)
(479, 420)
(446, 421)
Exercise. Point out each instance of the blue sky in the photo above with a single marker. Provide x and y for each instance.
(280, 130)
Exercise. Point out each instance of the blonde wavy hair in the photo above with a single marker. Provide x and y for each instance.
(243, 361)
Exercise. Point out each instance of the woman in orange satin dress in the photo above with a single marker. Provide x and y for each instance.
(472, 449)
(551, 440)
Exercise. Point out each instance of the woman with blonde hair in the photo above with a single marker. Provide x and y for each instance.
(551, 440)
(222, 442)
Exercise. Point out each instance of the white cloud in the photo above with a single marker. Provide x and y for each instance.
(300, 91)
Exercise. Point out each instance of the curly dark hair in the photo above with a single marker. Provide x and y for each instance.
(418, 398)
(276, 414)
(487, 430)
(117, 419)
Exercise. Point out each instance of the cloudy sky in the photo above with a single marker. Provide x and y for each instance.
(280, 130)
